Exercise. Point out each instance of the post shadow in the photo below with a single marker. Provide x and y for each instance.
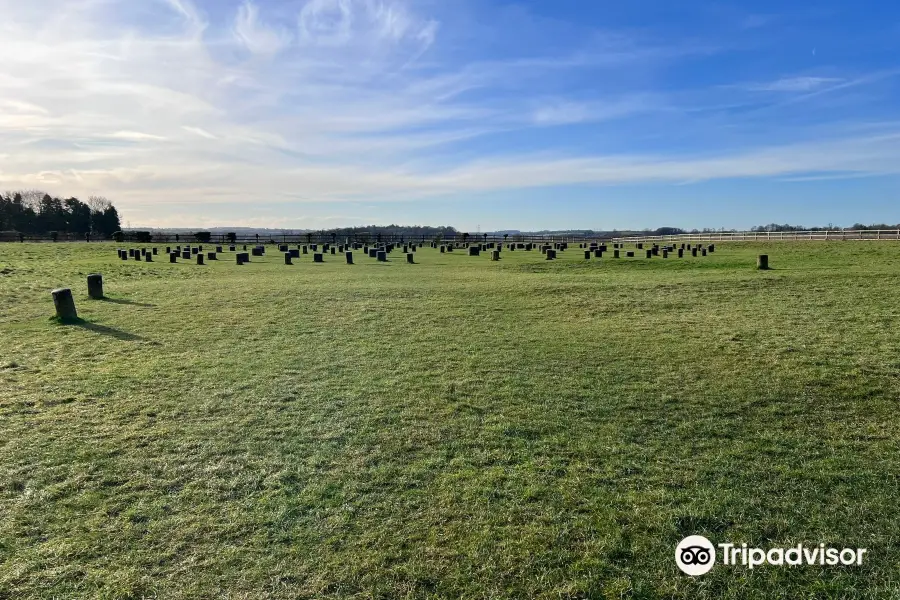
(126, 301)
(102, 329)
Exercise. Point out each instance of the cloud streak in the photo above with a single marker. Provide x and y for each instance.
(794, 84)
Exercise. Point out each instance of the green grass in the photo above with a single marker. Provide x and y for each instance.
(458, 428)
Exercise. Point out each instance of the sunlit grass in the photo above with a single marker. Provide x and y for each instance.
(454, 428)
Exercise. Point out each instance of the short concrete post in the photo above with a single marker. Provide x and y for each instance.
(148, 257)
(349, 256)
(287, 258)
(495, 255)
(199, 259)
(381, 255)
(95, 286)
(762, 262)
(409, 258)
(615, 254)
(318, 257)
(64, 304)
(173, 257)
(587, 255)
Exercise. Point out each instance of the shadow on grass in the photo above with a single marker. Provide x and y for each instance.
(101, 329)
(129, 302)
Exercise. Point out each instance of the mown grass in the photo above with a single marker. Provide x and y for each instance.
(457, 428)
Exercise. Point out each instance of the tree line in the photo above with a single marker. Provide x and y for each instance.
(855, 227)
(34, 212)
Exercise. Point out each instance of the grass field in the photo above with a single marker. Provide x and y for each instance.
(458, 428)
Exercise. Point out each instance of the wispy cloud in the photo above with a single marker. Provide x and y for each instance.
(342, 100)
(258, 37)
(565, 112)
(201, 132)
(136, 136)
(794, 84)
(756, 21)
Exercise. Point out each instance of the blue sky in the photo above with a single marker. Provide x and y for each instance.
(472, 113)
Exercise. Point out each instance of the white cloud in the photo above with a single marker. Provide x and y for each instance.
(186, 10)
(563, 112)
(256, 36)
(794, 84)
(201, 132)
(326, 22)
(136, 136)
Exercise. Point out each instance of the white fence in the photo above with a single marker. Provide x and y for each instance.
(769, 236)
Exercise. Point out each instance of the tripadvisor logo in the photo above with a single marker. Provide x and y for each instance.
(695, 555)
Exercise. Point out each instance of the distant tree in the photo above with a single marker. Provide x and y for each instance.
(231, 237)
(110, 221)
(77, 215)
(668, 231)
(505, 236)
(203, 237)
